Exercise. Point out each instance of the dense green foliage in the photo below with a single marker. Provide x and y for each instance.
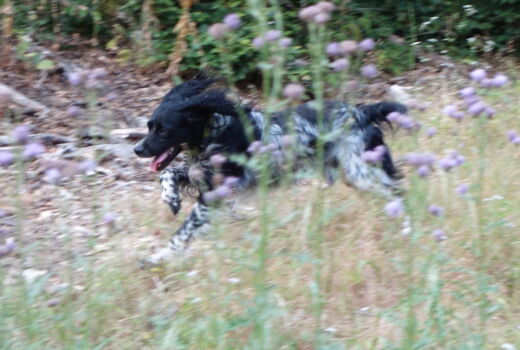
(448, 26)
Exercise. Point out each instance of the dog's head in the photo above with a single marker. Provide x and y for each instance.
(180, 120)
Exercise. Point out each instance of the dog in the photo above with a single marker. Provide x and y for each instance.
(197, 119)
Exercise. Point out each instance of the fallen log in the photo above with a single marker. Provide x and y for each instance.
(11, 95)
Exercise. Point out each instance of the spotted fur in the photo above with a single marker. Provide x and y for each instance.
(205, 123)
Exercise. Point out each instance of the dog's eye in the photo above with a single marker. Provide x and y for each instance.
(161, 130)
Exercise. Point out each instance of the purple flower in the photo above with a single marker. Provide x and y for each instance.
(6, 158)
(423, 171)
(217, 30)
(375, 155)
(97, 73)
(326, 6)
(87, 166)
(76, 78)
(439, 235)
(366, 45)
(258, 42)
(109, 218)
(272, 35)
(339, 64)
(435, 210)
(500, 80)
(8, 247)
(467, 92)
(73, 111)
(217, 160)
(220, 192)
(419, 159)
(516, 140)
(393, 117)
(394, 208)
(431, 131)
(450, 110)
(486, 83)
(348, 46)
(511, 135)
(369, 71)
(293, 91)
(470, 100)
(321, 18)
(254, 147)
(462, 189)
(308, 13)
(21, 133)
(476, 108)
(285, 42)
(477, 74)
(333, 49)
(490, 112)
(232, 21)
(52, 176)
(231, 181)
(32, 150)
(447, 163)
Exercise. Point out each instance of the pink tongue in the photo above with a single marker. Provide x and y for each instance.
(156, 162)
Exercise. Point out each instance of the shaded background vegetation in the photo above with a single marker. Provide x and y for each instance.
(143, 32)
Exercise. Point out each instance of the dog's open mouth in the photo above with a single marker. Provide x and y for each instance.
(161, 161)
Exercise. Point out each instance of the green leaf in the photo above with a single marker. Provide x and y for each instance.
(45, 65)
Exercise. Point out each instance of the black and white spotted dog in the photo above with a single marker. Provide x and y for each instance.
(199, 120)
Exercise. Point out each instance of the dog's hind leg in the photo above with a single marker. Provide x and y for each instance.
(194, 226)
(170, 179)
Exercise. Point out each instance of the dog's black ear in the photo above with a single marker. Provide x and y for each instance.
(203, 106)
(190, 88)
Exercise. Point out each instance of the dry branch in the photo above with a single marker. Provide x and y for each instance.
(18, 98)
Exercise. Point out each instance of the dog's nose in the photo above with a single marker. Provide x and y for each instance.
(139, 148)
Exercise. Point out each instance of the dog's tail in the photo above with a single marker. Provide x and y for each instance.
(377, 113)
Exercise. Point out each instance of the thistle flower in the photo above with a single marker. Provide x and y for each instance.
(423, 171)
(32, 150)
(462, 189)
(348, 46)
(333, 49)
(477, 74)
(516, 140)
(21, 133)
(6, 158)
(8, 247)
(490, 112)
(375, 155)
(487, 83)
(109, 218)
(439, 235)
(219, 193)
(466, 92)
(254, 147)
(435, 210)
(76, 78)
(272, 35)
(73, 111)
(293, 91)
(52, 176)
(369, 71)
(232, 21)
(217, 30)
(339, 64)
(500, 80)
(325, 6)
(450, 110)
(477, 108)
(366, 45)
(308, 13)
(471, 100)
(321, 18)
(258, 42)
(217, 160)
(87, 166)
(97, 73)
(430, 132)
(231, 181)
(420, 159)
(394, 208)
(285, 42)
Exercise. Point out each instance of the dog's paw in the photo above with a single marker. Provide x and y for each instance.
(156, 260)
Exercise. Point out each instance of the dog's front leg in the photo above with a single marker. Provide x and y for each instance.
(193, 227)
(170, 180)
